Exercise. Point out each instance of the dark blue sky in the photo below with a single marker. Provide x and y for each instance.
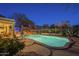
(44, 13)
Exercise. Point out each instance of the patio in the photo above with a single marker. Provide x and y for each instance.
(33, 49)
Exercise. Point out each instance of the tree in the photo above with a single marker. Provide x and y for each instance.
(2, 16)
(66, 28)
(22, 21)
(45, 26)
(52, 26)
(76, 30)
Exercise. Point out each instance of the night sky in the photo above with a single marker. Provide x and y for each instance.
(44, 13)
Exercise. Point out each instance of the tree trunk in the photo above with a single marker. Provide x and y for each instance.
(22, 31)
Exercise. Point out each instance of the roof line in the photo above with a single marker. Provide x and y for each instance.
(7, 19)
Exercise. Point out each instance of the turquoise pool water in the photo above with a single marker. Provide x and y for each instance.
(52, 41)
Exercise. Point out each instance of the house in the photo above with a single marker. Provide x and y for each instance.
(6, 27)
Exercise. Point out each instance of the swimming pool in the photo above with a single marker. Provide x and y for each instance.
(52, 41)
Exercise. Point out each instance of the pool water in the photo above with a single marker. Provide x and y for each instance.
(52, 41)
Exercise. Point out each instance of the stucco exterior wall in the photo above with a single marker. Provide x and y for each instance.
(6, 27)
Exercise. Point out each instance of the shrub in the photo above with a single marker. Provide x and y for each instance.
(11, 46)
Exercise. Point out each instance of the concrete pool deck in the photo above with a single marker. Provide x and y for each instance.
(34, 49)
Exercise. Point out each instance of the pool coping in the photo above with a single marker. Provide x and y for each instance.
(66, 46)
